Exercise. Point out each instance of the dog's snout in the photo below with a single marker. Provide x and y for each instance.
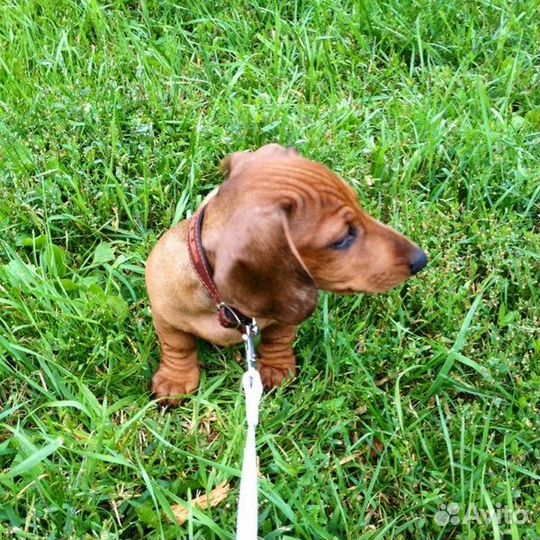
(418, 261)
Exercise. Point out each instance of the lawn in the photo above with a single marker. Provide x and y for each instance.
(113, 120)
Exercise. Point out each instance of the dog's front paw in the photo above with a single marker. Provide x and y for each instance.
(272, 376)
(168, 387)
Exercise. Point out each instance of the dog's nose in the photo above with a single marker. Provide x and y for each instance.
(418, 261)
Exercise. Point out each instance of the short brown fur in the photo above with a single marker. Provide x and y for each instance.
(269, 234)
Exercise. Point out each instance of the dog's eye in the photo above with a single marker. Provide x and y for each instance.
(347, 240)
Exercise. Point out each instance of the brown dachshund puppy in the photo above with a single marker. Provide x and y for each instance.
(277, 230)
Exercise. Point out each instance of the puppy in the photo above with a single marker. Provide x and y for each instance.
(277, 230)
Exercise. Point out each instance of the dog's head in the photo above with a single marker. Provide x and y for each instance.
(292, 227)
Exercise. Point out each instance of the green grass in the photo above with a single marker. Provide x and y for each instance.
(113, 120)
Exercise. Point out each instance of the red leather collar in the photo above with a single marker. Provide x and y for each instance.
(228, 317)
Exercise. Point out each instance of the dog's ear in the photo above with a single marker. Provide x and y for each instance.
(258, 269)
(233, 164)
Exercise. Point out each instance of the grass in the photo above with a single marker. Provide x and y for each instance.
(113, 120)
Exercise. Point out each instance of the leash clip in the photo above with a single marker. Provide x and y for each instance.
(250, 331)
(251, 380)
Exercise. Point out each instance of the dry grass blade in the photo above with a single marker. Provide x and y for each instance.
(216, 496)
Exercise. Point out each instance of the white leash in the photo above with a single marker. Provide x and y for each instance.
(246, 526)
